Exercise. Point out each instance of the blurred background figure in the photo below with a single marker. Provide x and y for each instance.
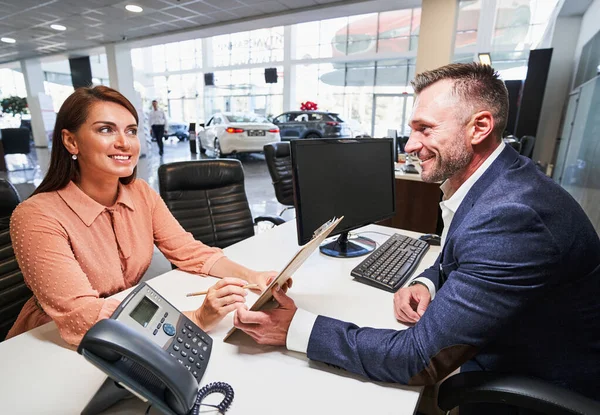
(158, 125)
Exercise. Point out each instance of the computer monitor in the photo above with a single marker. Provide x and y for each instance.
(337, 177)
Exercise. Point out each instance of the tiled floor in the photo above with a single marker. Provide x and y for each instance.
(259, 189)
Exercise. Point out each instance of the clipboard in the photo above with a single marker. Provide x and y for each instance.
(292, 266)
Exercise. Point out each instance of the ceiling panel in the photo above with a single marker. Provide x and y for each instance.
(92, 23)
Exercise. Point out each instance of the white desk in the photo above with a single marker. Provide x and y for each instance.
(41, 375)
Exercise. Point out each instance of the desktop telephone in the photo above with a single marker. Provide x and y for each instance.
(152, 350)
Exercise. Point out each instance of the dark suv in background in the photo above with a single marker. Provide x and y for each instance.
(311, 124)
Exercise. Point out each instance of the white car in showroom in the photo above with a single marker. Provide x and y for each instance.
(235, 132)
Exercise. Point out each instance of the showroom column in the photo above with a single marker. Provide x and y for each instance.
(436, 34)
(120, 76)
(34, 83)
(289, 70)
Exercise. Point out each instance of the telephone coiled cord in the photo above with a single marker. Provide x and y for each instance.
(215, 387)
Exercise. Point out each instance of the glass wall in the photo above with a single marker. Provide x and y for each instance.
(12, 83)
(518, 27)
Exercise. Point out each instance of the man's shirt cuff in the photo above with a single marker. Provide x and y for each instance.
(299, 331)
(428, 283)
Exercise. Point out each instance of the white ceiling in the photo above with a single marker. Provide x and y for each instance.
(92, 23)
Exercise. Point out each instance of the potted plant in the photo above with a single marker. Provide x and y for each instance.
(14, 105)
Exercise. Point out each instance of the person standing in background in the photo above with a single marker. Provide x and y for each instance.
(158, 125)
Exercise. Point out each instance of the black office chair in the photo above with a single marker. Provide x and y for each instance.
(512, 141)
(17, 141)
(208, 199)
(518, 391)
(279, 162)
(527, 144)
(13, 291)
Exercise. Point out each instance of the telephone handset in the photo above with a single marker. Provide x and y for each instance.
(151, 349)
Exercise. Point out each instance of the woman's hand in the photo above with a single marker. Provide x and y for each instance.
(264, 278)
(222, 298)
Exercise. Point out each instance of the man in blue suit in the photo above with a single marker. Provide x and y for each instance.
(516, 287)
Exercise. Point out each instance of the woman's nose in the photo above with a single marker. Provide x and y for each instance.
(122, 142)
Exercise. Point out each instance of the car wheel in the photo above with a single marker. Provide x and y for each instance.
(217, 149)
(312, 135)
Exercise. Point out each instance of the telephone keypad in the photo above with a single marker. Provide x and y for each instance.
(191, 359)
(184, 353)
(183, 331)
(176, 347)
(195, 351)
(179, 340)
(195, 374)
(187, 345)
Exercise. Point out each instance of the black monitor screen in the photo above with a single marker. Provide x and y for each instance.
(350, 178)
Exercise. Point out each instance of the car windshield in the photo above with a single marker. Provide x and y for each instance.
(246, 118)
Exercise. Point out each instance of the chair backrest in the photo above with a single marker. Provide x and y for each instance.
(16, 140)
(279, 162)
(527, 144)
(208, 199)
(512, 141)
(13, 291)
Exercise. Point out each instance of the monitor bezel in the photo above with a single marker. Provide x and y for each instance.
(303, 239)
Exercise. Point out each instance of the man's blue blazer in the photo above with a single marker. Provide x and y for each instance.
(518, 290)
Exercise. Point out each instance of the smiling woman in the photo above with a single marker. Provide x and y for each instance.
(91, 226)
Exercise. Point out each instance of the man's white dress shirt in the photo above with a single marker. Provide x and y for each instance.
(157, 117)
(303, 321)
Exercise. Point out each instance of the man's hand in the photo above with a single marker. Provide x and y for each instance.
(270, 326)
(410, 303)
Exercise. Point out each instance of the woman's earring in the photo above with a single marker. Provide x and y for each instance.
(74, 156)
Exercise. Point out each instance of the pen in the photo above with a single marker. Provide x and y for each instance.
(251, 286)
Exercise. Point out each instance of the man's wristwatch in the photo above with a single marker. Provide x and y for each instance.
(418, 282)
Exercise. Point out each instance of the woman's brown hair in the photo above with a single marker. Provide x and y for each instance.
(72, 114)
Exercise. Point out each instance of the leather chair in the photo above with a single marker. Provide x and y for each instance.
(279, 162)
(208, 199)
(512, 141)
(17, 141)
(526, 393)
(13, 291)
(527, 144)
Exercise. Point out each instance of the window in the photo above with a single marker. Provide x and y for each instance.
(357, 36)
(467, 24)
(521, 24)
(246, 118)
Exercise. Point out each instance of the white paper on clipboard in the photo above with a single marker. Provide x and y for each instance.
(292, 266)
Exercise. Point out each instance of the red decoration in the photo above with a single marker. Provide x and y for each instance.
(308, 106)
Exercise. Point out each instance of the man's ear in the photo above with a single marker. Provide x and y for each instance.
(481, 127)
(68, 139)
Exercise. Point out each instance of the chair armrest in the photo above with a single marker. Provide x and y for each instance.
(275, 220)
(520, 391)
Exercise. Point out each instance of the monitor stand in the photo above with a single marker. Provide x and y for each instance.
(343, 247)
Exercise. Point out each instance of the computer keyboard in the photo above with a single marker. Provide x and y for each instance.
(390, 265)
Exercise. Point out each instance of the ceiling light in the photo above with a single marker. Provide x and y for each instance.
(485, 59)
(58, 27)
(8, 40)
(133, 8)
